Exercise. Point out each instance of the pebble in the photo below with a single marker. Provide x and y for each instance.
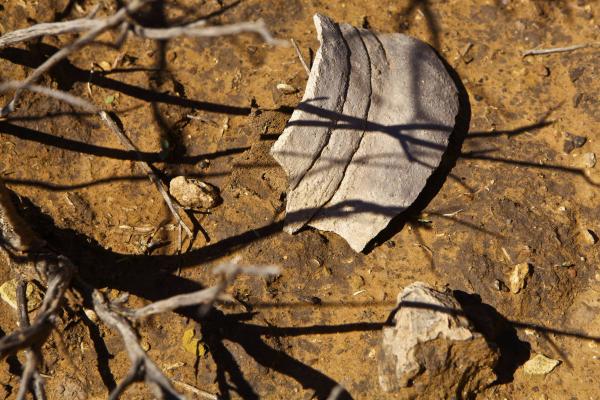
(91, 314)
(193, 193)
(589, 236)
(8, 293)
(286, 89)
(540, 365)
(589, 160)
(518, 277)
(145, 345)
(573, 142)
(500, 286)
(191, 344)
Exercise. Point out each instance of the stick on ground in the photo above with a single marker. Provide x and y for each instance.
(537, 52)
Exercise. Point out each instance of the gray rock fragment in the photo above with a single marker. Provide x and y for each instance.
(432, 349)
(374, 123)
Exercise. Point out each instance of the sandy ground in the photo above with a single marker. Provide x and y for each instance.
(514, 195)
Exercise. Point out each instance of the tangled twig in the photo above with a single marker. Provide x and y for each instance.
(41, 263)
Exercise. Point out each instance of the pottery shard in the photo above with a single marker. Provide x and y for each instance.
(193, 193)
(431, 350)
(373, 124)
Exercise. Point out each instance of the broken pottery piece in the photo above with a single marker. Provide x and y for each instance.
(432, 350)
(374, 122)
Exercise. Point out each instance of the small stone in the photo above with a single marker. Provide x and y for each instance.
(90, 314)
(518, 277)
(573, 142)
(542, 70)
(286, 89)
(500, 286)
(104, 65)
(589, 236)
(540, 365)
(191, 344)
(589, 160)
(193, 193)
(145, 345)
(8, 293)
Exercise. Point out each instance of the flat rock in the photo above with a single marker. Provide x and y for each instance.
(374, 122)
(540, 365)
(431, 350)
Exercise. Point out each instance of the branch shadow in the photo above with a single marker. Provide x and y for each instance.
(105, 268)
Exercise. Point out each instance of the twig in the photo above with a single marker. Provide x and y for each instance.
(195, 390)
(205, 296)
(60, 272)
(199, 29)
(57, 94)
(31, 260)
(30, 373)
(57, 272)
(175, 209)
(52, 28)
(109, 23)
(79, 102)
(142, 366)
(536, 52)
(300, 57)
(172, 303)
(335, 392)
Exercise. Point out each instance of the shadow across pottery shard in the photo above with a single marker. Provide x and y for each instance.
(374, 122)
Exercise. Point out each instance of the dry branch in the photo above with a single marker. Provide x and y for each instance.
(30, 259)
(30, 373)
(537, 52)
(206, 296)
(300, 57)
(113, 21)
(49, 29)
(173, 207)
(95, 27)
(79, 102)
(142, 366)
(200, 30)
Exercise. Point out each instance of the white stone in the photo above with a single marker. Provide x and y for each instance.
(193, 193)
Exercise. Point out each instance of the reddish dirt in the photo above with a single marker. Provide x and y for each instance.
(512, 196)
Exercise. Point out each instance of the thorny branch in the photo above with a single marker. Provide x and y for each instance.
(39, 262)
